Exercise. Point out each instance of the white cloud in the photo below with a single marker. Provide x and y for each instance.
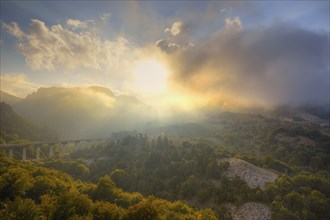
(55, 47)
(17, 84)
(176, 28)
(233, 24)
(74, 23)
(13, 29)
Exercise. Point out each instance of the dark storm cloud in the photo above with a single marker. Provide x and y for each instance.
(280, 64)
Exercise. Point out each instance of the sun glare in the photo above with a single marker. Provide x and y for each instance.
(150, 76)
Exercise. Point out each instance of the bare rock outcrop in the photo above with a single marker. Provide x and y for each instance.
(253, 175)
(250, 211)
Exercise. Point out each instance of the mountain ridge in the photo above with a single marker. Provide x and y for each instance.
(15, 127)
(83, 112)
(9, 98)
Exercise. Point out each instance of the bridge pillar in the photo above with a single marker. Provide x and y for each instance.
(76, 145)
(24, 153)
(10, 153)
(61, 147)
(38, 153)
(51, 151)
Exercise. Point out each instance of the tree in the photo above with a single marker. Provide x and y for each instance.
(71, 204)
(189, 188)
(105, 189)
(207, 214)
(15, 182)
(121, 178)
(144, 210)
(21, 209)
(105, 211)
(319, 204)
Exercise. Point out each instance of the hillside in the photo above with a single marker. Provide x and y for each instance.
(250, 211)
(274, 160)
(83, 112)
(14, 127)
(254, 176)
(247, 166)
(30, 191)
(8, 98)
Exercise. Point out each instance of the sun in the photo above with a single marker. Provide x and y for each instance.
(150, 76)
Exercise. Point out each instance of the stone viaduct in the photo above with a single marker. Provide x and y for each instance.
(51, 145)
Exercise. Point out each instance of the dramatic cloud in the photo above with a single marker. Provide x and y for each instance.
(166, 46)
(55, 47)
(233, 24)
(175, 29)
(17, 84)
(277, 65)
(13, 29)
(179, 39)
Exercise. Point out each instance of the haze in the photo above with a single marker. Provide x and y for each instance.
(175, 57)
(160, 110)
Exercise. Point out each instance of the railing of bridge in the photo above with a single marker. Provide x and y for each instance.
(23, 146)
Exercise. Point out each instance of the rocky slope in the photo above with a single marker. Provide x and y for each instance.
(250, 211)
(254, 176)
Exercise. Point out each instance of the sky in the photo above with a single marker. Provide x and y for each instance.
(188, 53)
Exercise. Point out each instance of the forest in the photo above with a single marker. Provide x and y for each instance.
(31, 191)
(134, 176)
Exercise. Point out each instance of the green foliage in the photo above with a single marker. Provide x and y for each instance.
(29, 191)
(14, 127)
(133, 165)
(191, 171)
(121, 178)
(20, 209)
(14, 183)
(70, 204)
(105, 189)
(106, 211)
(168, 171)
(300, 197)
(76, 168)
(144, 210)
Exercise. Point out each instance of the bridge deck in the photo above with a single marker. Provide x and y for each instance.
(22, 145)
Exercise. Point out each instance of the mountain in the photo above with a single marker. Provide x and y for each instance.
(97, 112)
(8, 98)
(14, 127)
(83, 112)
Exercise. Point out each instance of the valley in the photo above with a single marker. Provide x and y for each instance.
(239, 165)
(164, 110)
